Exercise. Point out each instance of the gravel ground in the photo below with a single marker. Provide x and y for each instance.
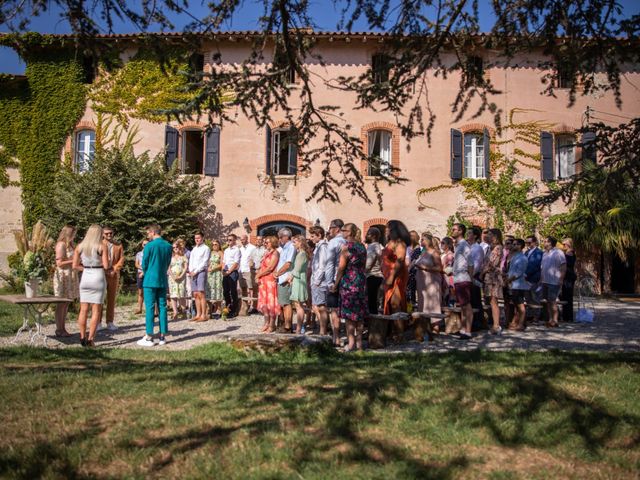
(616, 328)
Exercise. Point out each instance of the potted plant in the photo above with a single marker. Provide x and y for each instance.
(36, 258)
(34, 271)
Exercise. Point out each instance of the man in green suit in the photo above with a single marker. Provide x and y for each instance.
(155, 263)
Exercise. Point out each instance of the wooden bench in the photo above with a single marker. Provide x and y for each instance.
(379, 325)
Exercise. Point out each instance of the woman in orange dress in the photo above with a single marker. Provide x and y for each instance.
(395, 272)
(267, 286)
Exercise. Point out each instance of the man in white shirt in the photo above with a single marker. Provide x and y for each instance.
(486, 248)
(231, 260)
(198, 266)
(259, 252)
(553, 270)
(285, 263)
(334, 248)
(248, 272)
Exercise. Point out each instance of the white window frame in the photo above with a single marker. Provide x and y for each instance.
(564, 156)
(386, 155)
(474, 163)
(83, 159)
(275, 152)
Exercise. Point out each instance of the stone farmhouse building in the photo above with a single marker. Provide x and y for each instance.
(256, 170)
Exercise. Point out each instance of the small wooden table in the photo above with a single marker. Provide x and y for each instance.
(33, 308)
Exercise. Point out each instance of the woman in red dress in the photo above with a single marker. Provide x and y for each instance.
(396, 274)
(267, 285)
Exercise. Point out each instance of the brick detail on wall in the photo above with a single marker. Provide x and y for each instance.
(371, 222)
(277, 217)
(395, 142)
(82, 125)
(479, 128)
(563, 129)
(191, 125)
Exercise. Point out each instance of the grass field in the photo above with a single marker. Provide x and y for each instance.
(212, 412)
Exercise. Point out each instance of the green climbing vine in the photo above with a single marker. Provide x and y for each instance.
(504, 198)
(143, 88)
(39, 112)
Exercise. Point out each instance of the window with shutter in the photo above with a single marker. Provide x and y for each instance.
(588, 148)
(565, 153)
(379, 151)
(283, 152)
(380, 67)
(170, 145)
(84, 150)
(456, 154)
(192, 152)
(546, 156)
(474, 155)
(212, 152)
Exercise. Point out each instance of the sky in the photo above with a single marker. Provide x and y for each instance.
(324, 13)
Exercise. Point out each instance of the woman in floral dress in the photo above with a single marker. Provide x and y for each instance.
(214, 277)
(352, 280)
(177, 276)
(267, 285)
(493, 277)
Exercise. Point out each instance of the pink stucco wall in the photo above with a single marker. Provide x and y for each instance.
(240, 192)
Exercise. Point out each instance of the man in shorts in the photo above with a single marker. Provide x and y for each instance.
(553, 270)
(318, 284)
(247, 272)
(462, 274)
(285, 263)
(197, 272)
(517, 283)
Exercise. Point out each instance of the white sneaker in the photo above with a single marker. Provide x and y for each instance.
(100, 327)
(146, 342)
(112, 327)
(162, 340)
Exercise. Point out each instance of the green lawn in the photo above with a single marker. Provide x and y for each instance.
(212, 412)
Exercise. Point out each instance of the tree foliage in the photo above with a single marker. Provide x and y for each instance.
(128, 192)
(581, 38)
(605, 196)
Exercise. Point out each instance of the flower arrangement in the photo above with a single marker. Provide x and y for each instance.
(225, 313)
(35, 255)
(33, 266)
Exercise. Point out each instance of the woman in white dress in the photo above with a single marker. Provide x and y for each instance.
(91, 258)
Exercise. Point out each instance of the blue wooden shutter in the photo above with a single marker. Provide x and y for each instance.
(546, 156)
(293, 152)
(212, 152)
(171, 145)
(588, 148)
(487, 152)
(456, 154)
(268, 153)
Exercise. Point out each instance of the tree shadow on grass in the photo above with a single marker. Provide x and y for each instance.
(329, 404)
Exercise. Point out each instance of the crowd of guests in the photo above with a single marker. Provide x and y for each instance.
(319, 281)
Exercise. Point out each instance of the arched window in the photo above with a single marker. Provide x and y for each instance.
(272, 228)
(474, 155)
(565, 156)
(379, 151)
(85, 147)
